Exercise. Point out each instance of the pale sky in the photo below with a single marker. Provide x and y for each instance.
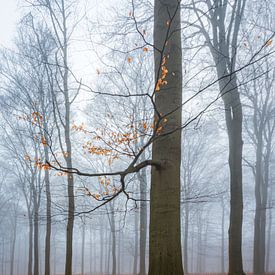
(8, 18)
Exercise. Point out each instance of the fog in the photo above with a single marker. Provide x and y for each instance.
(137, 137)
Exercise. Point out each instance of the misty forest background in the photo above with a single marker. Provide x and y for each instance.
(134, 134)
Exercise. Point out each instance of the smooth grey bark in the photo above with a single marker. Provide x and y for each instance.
(165, 255)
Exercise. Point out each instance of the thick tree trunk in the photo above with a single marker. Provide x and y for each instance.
(165, 255)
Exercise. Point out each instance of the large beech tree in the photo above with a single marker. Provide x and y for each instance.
(165, 243)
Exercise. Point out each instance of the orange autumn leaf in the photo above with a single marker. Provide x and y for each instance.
(27, 157)
(43, 141)
(129, 59)
(145, 49)
(269, 43)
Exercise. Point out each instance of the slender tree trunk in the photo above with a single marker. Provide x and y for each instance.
(83, 247)
(119, 244)
(269, 197)
(257, 255)
(36, 235)
(186, 183)
(71, 202)
(136, 244)
(68, 153)
(30, 243)
(224, 46)
(143, 222)
(13, 242)
(91, 260)
(106, 245)
(234, 127)
(101, 247)
(109, 251)
(268, 240)
(113, 230)
(3, 255)
(261, 196)
(49, 221)
(165, 255)
(233, 116)
(223, 237)
(55, 254)
(186, 236)
(199, 245)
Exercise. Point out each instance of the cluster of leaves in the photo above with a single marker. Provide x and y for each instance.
(107, 189)
(114, 144)
(164, 71)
